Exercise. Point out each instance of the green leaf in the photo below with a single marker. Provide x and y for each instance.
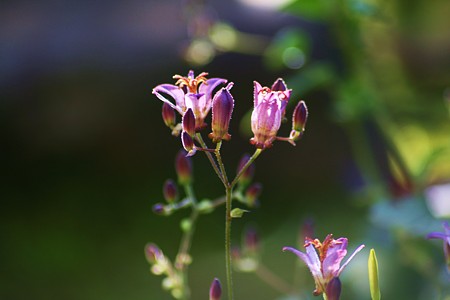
(237, 212)
(373, 276)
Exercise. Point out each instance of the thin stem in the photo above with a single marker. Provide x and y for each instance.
(221, 166)
(183, 258)
(199, 138)
(272, 279)
(244, 168)
(228, 199)
(228, 242)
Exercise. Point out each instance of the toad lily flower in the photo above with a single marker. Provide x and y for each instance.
(190, 92)
(268, 112)
(445, 236)
(325, 263)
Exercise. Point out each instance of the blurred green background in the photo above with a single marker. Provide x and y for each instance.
(85, 152)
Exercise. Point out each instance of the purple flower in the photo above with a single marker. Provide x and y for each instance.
(324, 263)
(190, 92)
(269, 109)
(445, 236)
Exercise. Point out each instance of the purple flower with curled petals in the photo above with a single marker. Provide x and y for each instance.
(445, 236)
(194, 92)
(269, 109)
(325, 263)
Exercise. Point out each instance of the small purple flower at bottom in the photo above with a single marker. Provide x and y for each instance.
(324, 263)
(445, 236)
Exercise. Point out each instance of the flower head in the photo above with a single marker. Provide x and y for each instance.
(445, 236)
(324, 259)
(194, 92)
(269, 109)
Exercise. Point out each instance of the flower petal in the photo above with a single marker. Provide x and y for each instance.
(350, 258)
(257, 96)
(207, 88)
(173, 91)
(310, 259)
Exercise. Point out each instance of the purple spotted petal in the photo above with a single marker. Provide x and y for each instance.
(332, 261)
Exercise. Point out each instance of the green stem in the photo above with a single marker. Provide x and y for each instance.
(228, 199)
(209, 155)
(228, 242)
(244, 168)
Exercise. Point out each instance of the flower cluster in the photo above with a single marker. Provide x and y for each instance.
(193, 99)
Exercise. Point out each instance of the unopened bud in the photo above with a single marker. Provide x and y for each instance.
(247, 176)
(159, 209)
(170, 191)
(168, 115)
(252, 240)
(307, 230)
(279, 85)
(222, 108)
(333, 289)
(299, 117)
(189, 122)
(183, 166)
(253, 193)
(188, 143)
(215, 291)
(153, 253)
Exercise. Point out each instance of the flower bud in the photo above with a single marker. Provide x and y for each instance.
(170, 191)
(279, 85)
(188, 143)
(252, 240)
(299, 117)
(333, 289)
(247, 176)
(215, 291)
(222, 108)
(189, 122)
(168, 115)
(253, 193)
(183, 167)
(159, 209)
(153, 253)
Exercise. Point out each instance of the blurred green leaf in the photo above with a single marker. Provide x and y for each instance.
(311, 9)
(289, 48)
(317, 75)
